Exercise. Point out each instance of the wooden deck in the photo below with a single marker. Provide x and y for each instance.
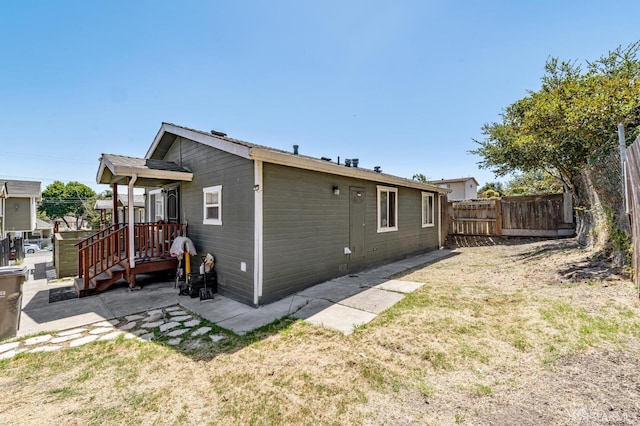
(105, 257)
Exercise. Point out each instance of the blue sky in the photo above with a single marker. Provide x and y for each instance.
(405, 85)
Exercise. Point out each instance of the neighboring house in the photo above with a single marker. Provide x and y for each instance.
(105, 206)
(70, 223)
(465, 188)
(18, 200)
(276, 222)
(44, 231)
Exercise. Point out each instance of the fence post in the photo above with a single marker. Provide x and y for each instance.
(567, 207)
(499, 216)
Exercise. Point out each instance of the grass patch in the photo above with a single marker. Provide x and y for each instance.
(582, 329)
(469, 333)
(59, 394)
(437, 359)
(478, 389)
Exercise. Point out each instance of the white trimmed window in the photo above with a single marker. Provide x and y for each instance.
(387, 209)
(212, 200)
(428, 209)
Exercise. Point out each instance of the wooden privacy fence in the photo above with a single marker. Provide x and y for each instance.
(632, 202)
(519, 216)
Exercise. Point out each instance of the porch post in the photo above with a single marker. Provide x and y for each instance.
(114, 212)
(131, 224)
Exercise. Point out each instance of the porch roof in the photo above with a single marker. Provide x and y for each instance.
(148, 172)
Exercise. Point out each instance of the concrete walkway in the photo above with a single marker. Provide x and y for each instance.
(341, 304)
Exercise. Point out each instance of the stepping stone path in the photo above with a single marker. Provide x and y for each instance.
(173, 322)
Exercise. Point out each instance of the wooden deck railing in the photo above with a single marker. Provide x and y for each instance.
(153, 240)
(109, 247)
(99, 235)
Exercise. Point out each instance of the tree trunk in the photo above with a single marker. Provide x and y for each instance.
(591, 218)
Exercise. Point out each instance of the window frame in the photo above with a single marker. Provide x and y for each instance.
(211, 190)
(157, 199)
(388, 190)
(425, 196)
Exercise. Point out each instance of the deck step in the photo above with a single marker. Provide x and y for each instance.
(78, 283)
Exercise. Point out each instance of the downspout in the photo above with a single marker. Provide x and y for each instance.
(258, 232)
(131, 224)
(4, 214)
(440, 221)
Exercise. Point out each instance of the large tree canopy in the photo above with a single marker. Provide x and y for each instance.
(570, 121)
(73, 199)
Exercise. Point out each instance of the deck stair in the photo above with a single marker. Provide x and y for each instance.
(105, 257)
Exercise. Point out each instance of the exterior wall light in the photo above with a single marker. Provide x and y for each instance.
(336, 190)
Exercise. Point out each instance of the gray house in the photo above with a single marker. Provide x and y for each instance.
(18, 200)
(276, 221)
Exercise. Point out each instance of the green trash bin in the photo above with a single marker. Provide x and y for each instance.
(11, 281)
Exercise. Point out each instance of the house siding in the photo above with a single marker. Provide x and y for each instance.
(466, 190)
(232, 242)
(18, 214)
(306, 228)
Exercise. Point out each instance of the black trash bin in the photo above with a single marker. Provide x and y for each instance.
(11, 281)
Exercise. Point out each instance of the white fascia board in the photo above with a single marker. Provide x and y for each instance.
(104, 164)
(153, 174)
(283, 159)
(210, 140)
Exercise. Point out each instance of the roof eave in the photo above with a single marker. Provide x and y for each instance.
(123, 173)
(153, 174)
(290, 160)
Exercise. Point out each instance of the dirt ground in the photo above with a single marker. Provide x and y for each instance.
(589, 379)
(504, 332)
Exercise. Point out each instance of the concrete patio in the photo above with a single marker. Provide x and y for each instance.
(341, 304)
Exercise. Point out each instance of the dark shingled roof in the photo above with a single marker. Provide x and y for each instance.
(141, 163)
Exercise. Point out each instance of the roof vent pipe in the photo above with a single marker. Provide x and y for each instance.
(355, 162)
(377, 169)
(295, 149)
(347, 162)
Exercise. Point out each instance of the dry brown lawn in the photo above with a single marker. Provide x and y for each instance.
(521, 332)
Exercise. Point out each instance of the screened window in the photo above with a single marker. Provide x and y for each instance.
(428, 210)
(387, 209)
(212, 197)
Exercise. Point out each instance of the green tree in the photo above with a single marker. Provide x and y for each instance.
(495, 187)
(419, 177)
(534, 183)
(572, 119)
(489, 193)
(73, 199)
(570, 122)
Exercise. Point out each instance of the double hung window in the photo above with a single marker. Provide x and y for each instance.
(387, 209)
(212, 205)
